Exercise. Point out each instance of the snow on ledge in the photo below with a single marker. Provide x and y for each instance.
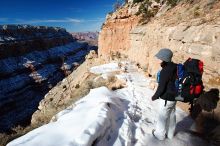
(81, 126)
(124, 117)
(106, 68)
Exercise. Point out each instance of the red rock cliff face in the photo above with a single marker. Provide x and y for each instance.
(114, 35)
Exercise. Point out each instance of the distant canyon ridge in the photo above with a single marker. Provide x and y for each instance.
(90, 37)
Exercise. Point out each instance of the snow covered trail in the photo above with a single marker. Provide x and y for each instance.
(124, 117)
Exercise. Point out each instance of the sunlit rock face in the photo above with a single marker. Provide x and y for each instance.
(178, 28)
(33, 60)
(114, 35)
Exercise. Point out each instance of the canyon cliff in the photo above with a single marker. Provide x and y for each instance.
(33, 59)
(189, 29)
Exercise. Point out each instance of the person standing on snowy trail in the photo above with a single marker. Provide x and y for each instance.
(166, 94)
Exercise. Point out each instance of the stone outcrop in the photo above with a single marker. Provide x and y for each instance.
(69, 90)
(189, 30)
(115, 31)
(33, 60)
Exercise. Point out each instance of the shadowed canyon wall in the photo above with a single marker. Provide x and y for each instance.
(33, 60)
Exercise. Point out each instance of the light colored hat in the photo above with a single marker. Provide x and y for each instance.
(165, 55)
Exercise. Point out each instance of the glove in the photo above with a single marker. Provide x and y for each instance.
(154, 98)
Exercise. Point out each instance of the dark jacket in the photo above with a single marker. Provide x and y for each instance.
(166, 88)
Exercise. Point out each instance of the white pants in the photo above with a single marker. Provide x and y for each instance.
(166, 122)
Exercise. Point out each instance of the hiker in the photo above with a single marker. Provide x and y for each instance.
(165, 93)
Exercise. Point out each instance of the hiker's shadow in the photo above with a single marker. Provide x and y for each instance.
(185, 124)
(207, 103)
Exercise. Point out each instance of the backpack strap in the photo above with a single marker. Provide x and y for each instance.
(191, 106)
(165, 103)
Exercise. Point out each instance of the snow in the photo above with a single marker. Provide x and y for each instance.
(106, 68)
(124, 117)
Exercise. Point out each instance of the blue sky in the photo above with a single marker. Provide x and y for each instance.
(74, 15)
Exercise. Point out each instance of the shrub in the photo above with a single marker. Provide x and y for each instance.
(196, 12)
(115, 55)
(172, 2)
(138, 1)
(146, 12)
(144, 8)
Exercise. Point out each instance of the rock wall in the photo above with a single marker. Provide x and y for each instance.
(114, 35)
(179, 29)
(29, 71)
(201, 42)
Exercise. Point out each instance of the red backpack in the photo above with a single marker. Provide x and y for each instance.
(189, 83)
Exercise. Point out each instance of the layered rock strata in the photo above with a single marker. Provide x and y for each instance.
(32, 61)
